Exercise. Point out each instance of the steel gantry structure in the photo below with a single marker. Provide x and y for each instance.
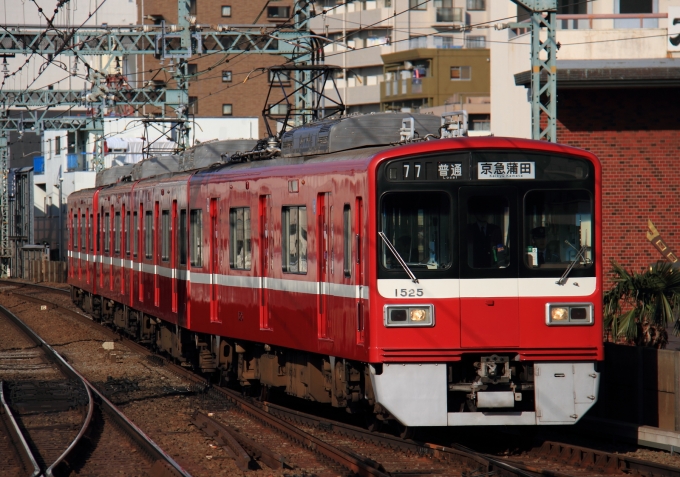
(177, 42)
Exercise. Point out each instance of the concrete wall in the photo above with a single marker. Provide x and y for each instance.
(640, 386)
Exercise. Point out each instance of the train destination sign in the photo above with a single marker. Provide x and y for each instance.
(506, 170)
(449, 170)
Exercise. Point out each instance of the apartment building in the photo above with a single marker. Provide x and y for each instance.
(423, 47)
(618, 87)
(234, 85)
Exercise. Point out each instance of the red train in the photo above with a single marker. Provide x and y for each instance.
(440, 282)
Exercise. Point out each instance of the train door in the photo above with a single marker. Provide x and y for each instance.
(156, 254)
(214, 260)
(265, 259)
(489, 287)
(359, 278)
(173, 254)
(323, 254)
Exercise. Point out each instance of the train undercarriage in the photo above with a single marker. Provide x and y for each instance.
(480, 389)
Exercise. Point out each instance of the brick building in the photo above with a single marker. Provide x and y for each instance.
(618, 84)
(223, 85)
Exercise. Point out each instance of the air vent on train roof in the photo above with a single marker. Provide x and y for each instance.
(352, 132)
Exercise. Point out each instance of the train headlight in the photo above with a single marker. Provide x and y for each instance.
(408, 315)
(569, 314)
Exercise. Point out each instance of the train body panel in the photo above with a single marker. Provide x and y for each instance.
(461, 276)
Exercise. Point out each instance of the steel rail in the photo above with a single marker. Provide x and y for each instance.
(68, 371)
(23, 450)
(622, 463)
(453, 453)
(163, 463)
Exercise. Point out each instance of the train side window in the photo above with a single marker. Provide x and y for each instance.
(117, 232)
(196, 230)
(83, 231)
(347, 241)
(148, 232)
(182, 237)
(89, 233)
(165, 235)
(74, 232)
(130, 231)
(240, 256)
(294, 239)
(135, 232)
(107, 232)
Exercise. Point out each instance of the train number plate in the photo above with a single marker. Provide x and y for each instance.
(408, 292)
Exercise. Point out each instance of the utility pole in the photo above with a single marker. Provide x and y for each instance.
(179, 44)
(543, 63)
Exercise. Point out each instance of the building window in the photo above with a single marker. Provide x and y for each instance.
(278, 109)
(278, 12)
(226, 77)
(294, 239)
(347, 241)
(226, 110)
(148, 231)
(279, 77)
(475, 42)
(192, 68)
(461, 73)
(196, 230)
(226, 11)
(239, 238)
(57, 145)
(418, 4)
(165, 235)
(192, 7)
(476, 4)
(193, 104)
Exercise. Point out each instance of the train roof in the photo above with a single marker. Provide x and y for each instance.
(352, 132)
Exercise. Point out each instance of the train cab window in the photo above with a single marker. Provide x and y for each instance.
(347, 241)
(130, 231)
(240, 256)
(196, 238)
(488, 238)
(135, 232)
(83, 231)
(294, 239)
(116, 232)
(182, 249)
(558, 229)
(148, 235)
(165, 235)
(418, 226)
(107, 232)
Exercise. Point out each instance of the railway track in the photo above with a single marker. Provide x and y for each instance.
(67, 426)
(360, 451)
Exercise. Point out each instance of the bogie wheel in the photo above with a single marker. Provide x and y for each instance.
(407, 432)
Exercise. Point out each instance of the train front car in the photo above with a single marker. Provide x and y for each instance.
(488, 297)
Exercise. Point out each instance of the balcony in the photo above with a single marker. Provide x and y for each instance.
(410, 88)
(608, 21)
(439, 42)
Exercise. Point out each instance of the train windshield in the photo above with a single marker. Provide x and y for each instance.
(558, 228)
(419, 227)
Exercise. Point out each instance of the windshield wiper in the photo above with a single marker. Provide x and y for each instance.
(580, 254)
(398, 257)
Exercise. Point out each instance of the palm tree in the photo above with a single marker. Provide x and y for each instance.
(641, 305)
